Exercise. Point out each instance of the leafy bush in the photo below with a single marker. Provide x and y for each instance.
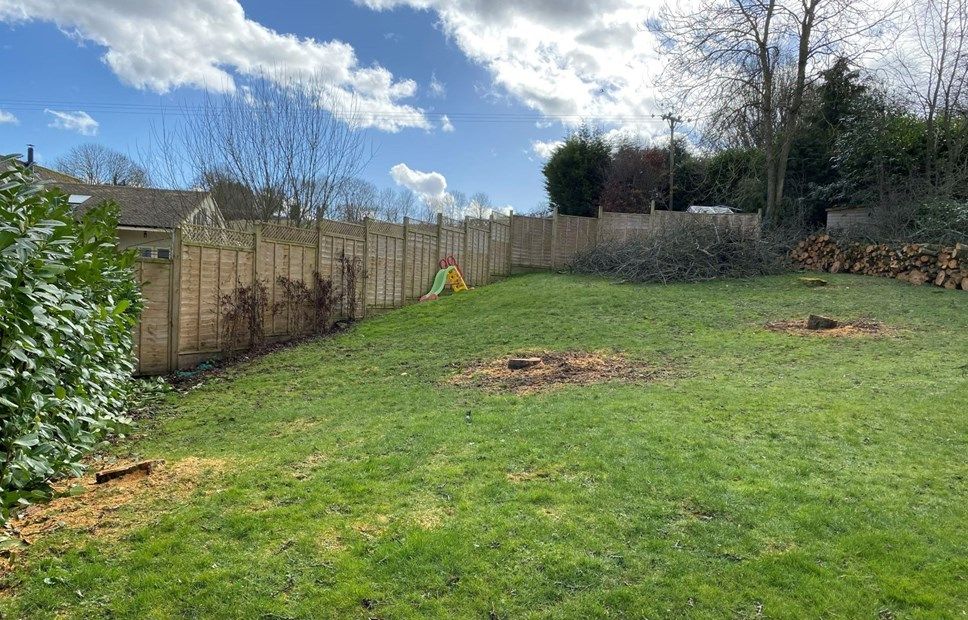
(690, 251)
(68, 302)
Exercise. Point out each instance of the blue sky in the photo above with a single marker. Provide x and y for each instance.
(512, 80)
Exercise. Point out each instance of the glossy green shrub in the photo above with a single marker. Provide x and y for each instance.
(68, 302)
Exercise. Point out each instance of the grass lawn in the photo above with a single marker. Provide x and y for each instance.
(764, 475)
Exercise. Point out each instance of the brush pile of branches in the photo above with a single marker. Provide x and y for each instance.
(690, 251)
(917, 263)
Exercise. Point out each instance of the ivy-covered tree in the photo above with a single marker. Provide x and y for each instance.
(575, 173)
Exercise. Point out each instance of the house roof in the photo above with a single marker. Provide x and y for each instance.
(141, 207)
(53, 176)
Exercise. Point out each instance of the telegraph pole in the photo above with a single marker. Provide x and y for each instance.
(673, 120)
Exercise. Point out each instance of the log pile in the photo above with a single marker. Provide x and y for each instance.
(917, 263)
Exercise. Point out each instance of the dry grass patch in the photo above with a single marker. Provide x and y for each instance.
(845, 329)
(82, 505)
(374, 529)
(431, 518)
(519, 477)
(308, 466)
(296, 426)
(555, 369)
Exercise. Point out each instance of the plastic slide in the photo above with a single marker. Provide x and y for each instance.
(449, 274)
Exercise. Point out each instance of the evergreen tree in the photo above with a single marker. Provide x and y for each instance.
(575, 174)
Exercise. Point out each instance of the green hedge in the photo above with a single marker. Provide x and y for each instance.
(68, 302)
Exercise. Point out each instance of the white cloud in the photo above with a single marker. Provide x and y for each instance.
(446, 125)
(437, 88)
(566, 59)
(544, 150)
(8, 117)
(78, 120)
(159, 45)
(429, 185)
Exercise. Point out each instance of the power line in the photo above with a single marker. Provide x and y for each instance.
(183, 110)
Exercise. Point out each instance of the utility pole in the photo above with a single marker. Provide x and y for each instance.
(673, 120)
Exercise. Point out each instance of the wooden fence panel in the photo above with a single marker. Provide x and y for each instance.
(500, 245)
(531, 241)
(152, 334)
(573, 234)
(384, 265)
(451, 243)
(421, 258)
(476, 247)
(212, 264)
(341, 254)
(621, 227)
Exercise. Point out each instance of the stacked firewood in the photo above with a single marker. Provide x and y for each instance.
(916, 263)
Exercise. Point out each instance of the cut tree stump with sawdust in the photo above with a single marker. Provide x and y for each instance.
(815, 321)
(520, 363)
(110, 474)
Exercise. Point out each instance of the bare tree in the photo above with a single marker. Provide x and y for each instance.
(99, 165)
(480, 206)
(356, 199)
(393, 205)
(931, 70)
(753, 60)
(457, 206)
(290, 141)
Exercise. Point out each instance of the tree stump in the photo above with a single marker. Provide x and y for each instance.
(519, 363)
(110, 474)
(815, 321)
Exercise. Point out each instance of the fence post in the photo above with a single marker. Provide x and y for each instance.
(366, 258)
(174, 301)
(463, 254)
(319, 248)
(598, 224)
(403, 270)
(490, 248)
(257, 245)
(510, 239)
(440, 233)
(554, 239)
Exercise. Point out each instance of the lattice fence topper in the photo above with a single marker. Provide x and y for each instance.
(503, 219)
(289, 234)
(421, 228)
(386, 229)
(220, 237)
(341, 229)
(477, 223)
(450, 222)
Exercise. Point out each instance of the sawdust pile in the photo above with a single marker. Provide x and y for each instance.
(860, 327)
(555, 369)
(84, 506)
